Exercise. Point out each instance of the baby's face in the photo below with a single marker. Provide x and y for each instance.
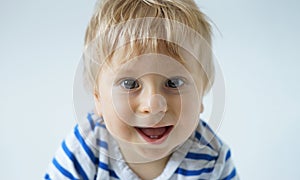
(150, 104)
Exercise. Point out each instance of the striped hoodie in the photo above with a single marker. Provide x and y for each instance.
(90, 152)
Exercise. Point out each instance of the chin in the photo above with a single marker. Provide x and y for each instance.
(153, 153)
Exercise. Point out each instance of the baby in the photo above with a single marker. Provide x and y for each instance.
(148, 64)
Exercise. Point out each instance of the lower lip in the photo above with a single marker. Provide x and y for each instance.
(155, 141)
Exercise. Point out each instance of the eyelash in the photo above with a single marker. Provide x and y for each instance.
(134, 84)
(179, 81)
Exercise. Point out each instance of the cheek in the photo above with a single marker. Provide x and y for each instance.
(116, 126)
(189, 114)
(175, 105)
(123, 108)
(188, 117)
(114, 113)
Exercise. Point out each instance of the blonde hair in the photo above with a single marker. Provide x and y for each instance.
(142, 24)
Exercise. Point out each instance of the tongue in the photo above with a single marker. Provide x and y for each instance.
(154, 131)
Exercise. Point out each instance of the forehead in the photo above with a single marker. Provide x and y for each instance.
(161, 59)
(137, 48)
(152, 63)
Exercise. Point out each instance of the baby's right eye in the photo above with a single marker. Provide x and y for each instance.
(130, 83)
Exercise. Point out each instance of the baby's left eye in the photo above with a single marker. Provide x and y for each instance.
(174, 83)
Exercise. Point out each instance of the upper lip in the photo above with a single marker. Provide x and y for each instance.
(154, 126)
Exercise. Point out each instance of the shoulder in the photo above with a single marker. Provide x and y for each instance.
(207, 138)
(85, 135)
(78, 155)
(209, 157)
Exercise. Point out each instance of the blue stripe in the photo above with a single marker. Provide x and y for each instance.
(228, 155)
(47, 177)
(231, 175)
(85, 146)
(102, 144)
(63, 170)
(90, 119)
(105, 167)
(202, 140)
(204, 123)
(101, 125)
(193, 172)
(78, 168)
(209, 128)
(197, 156)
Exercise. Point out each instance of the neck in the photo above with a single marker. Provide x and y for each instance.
(147, 163)
(149, 170)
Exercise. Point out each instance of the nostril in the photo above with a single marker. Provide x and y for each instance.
(146, 109)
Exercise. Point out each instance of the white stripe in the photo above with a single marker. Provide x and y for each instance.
(82, 157)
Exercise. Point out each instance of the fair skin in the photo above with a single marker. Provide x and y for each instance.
(150, 105)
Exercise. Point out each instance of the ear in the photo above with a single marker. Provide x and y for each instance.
(97, 103)
(201, 108)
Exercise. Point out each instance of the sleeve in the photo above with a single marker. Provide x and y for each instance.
(75, 159)
(229, 170)
(224, 167)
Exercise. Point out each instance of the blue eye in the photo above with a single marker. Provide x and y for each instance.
(174, 83)
(130, 84)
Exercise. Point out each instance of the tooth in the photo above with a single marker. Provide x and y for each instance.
(154, 137)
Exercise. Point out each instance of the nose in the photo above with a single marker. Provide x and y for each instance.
(155, 103)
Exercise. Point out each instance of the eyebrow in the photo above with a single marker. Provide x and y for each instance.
(125, 72)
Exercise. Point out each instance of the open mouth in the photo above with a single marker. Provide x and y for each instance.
(154, 135)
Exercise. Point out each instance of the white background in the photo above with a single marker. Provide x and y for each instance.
(257, 46)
